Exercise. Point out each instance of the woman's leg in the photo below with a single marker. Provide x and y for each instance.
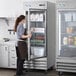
(20, 66)
(20, 63)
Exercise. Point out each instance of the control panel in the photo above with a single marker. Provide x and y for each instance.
(66, 4)
(35, 5)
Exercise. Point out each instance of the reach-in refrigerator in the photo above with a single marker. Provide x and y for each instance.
(40, 15)
(66, 36)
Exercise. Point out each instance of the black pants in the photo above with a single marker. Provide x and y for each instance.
(20, 63)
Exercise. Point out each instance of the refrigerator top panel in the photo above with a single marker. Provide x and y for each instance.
(66, 4)
(35, 5)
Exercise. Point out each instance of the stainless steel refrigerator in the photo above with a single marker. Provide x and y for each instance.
(66, 36)
(40, 15)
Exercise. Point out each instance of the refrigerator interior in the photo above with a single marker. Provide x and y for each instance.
(38, 40)
(67, 34)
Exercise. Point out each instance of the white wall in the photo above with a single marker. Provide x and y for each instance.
(3, 29)
(42, 0)
(4, 33)
(10, 8)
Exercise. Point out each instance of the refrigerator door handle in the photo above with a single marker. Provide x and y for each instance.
(29, 57)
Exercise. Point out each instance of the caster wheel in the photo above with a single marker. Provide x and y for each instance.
(60, 73)
(52, 68)
(46, 72)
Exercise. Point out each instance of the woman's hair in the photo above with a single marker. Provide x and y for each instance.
(19, 19)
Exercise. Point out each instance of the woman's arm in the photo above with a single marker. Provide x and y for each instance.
(26, 36)
(21, 34)
(29, 35)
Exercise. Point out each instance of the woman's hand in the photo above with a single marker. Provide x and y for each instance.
(26, 36)
(29, 35)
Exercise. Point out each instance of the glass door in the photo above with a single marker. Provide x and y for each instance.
(67, 34)
(37, 43)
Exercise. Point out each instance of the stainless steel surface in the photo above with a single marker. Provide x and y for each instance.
(35, 5)
(29, 33)
(36, 64)
(48, 23)
(8, 54)
(65, 53)
(4, 56)
(65, 4)
(12, 56)
(51, 35)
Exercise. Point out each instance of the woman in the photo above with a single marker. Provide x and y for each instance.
(21, 48)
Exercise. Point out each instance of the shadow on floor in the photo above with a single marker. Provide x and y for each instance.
(11, 72)
(66, 74)
(40, 73)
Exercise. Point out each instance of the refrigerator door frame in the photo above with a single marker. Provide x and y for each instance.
(58, 29)
(28, 40)
(28, 33)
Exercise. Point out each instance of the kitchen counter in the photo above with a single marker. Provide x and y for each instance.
(8, 42)
(8, 54)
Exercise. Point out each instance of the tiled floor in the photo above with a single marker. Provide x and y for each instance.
(9, 72)
(6, 72)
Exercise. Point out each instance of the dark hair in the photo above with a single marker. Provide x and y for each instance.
(19, 19)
